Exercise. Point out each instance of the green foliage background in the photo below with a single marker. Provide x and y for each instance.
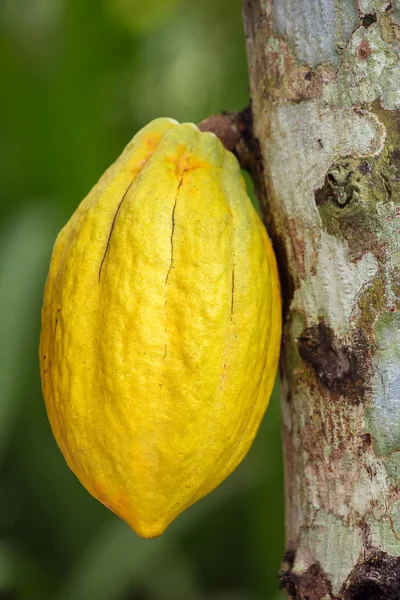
(79, 78)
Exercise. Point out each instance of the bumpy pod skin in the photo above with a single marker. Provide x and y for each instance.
(161, 327)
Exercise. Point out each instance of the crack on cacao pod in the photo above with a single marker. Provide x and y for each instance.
(340, 367)
(233, 290)
(376, 578)
(112, 229)
(186, 168)
(172, 234)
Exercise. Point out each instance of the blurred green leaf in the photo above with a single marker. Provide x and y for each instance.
(21, 573)
(26, 239)
(30, 17)
(279, 595)
(232, 595)
(141, 16)
(175, 578)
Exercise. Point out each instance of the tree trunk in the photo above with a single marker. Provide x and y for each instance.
(325, 89)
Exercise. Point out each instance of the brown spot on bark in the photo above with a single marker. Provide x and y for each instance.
(394, 158)
(297, 240)
(289, 557)
(322, 195)
(340, 367)
(298, 250)
(248, 149)
(376, 578)
(313, 442)
(365, 167)
(313, 584)
(364, 50)
(366, 441)
(368, 20)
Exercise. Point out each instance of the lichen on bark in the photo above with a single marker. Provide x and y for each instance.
(325, 89)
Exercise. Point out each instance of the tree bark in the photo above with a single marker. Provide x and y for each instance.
(325, 156)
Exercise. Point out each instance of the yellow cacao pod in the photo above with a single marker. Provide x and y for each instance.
(161, 327)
